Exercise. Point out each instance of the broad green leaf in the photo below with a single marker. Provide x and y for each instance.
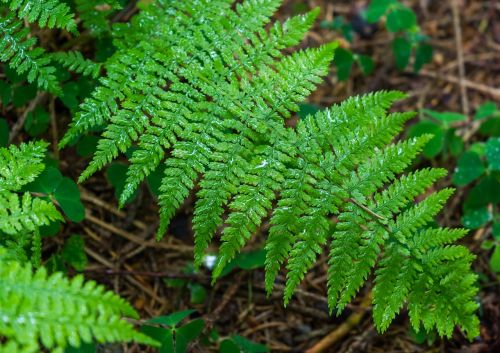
(5, 93)
(37, 122)
(87, 145)
(469, 168)
(70, 97)
(453, 143)
(479, 148)
(163, 336)
(365, 63)
(339, 23)
(493, 153)
(104, 48)
(23, 94)
(435, 145)
(154, 180)
(474, 219)
(495, 260)
(171, 320)
(400, 19)
(50, 230)
(401, 48)
(485, 110)
(445, 117)
(249, 346)
(117, 175)
(343, 60)
(47, 182)
(485, 192)
(251, 260)
(4, 132)
(246, 261)
(12, 75)
(490, 127)
(496, 230)
(229, 267)
(228, 346)
(423, 55)
(487, 244)
(68, 197)
(377, 9)
(198, 293)
(187, 333)
(74, 252)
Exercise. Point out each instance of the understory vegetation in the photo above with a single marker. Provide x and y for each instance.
(128, 126)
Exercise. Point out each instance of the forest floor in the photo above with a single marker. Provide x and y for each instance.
(464, 73)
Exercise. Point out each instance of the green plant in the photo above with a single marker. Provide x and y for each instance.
(74, 61)
(94, 14)
(16, 42)
(480, 167)
(19, 48)
(173, 337)
(401, 21)
(21, 214)
(38, 310)
(61, 190)
(445, 141)
(186, 92)
(71, 255)
(239, 344)
(47, 13)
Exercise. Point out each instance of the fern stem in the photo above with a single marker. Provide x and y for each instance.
(366, 209)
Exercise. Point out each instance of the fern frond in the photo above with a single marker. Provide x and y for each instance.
(52, 312)
(312, 65)
(211, 104)
(15, 49)
(25, 213)
(402, 191)
(47, 13)
(74, 61)
(21, 165)
(21, 214)
(442, 297)
(393, 283)
(94, 14)
(165, 24)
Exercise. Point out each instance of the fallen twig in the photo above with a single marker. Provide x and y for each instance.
(352, 321)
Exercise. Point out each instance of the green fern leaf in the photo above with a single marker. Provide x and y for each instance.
(25, 213)
(94, 14)
(21, 215)
(21, 165)
(210, 104)
(15, 50)
(47, 13)
(52, 312)
(74, 61)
